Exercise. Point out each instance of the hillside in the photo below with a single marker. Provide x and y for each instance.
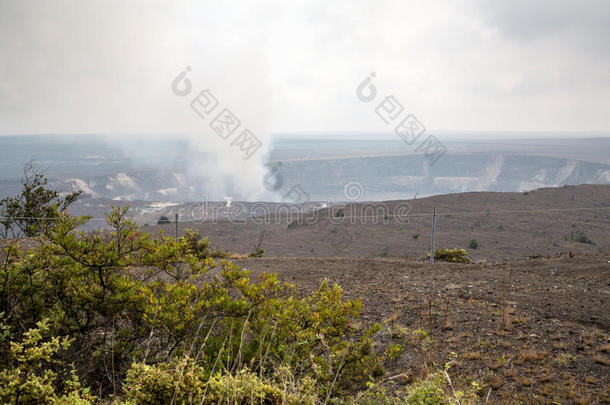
(526, 330)
(505, 225)
(170, 170)
(531, 331)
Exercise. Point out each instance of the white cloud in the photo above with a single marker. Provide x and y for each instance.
(69, 66)
(72, 66)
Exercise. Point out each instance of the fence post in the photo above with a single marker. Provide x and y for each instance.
(176, 226)
(433, 236)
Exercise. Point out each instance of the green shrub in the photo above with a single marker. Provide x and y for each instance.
(451, 255)
(35, 209)
(179, 381)
(260, 252)
(473, 244)
(200, 247)
(435, 389)
(427, 392)
(163, 220)
(124, 298)
(155, 320)
(582, 238)
(377, 395)
(28, 376)
(183, 382)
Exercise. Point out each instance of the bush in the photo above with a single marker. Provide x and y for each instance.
(200, 247)
(35, 209)
(183, 382)
(123, 297)
(582, 238)
(260, 252)
(473, 244)
(28, 377)
(427, 392)
(435, 389)
(154, 320)
(179, 381)
(451, 255)
(163, 220)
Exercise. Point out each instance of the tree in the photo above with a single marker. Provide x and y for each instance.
(163, 220)
(259, 251)
(35, 209)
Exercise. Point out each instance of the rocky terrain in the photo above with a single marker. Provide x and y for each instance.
(504, 226)
(532, 331)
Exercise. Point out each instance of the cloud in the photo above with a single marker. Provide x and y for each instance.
(106, 67)
(70, 66)
(585, 21)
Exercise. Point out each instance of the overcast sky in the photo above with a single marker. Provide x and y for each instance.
(292, 66)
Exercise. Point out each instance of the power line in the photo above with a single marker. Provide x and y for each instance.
(519, 211)
(50, 219)
(309, 216)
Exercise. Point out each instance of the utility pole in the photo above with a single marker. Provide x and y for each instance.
(176, 226)
(433, 236)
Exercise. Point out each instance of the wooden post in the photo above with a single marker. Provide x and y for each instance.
(176, 226)
(433, 236)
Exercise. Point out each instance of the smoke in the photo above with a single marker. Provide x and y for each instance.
(73, 67)
(220, 160)
(231, 65)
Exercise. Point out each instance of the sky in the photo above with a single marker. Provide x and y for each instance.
(132, 69)
(107, 66)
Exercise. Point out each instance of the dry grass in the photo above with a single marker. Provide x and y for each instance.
(545, 378)
(563, 359)
(559, 345)
(601, 360)
(546, 390)
(604, 348)
(590, 380)
(495, 381)
(531, 356)
(588, 338)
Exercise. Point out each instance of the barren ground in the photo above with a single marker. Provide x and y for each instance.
(505, 225)
(531, 330)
